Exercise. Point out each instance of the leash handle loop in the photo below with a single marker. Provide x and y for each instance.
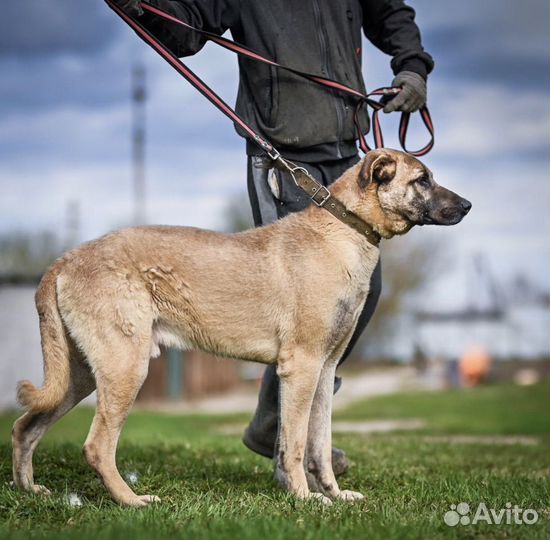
(403, 126)
(378, 137)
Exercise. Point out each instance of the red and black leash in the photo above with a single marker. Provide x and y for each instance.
(242, 50)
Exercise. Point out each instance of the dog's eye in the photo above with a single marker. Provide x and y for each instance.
(423, 181)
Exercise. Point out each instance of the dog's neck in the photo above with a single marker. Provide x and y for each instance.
(363, 201)
(351, 249)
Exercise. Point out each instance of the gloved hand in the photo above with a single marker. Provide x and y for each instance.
(413, 93)
(131, 7)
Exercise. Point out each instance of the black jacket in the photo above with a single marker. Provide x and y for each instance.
(303, 120)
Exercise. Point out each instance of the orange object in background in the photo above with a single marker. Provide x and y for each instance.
(474, 365)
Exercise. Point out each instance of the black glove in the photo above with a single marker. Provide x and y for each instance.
(131, 7)
(413, 93)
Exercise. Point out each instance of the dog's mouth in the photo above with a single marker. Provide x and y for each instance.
(427, 220)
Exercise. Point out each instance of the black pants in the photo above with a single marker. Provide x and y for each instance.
(274, 195)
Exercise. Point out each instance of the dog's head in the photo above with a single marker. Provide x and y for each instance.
(397, 191)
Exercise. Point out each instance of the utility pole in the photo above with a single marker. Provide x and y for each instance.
(138, 142)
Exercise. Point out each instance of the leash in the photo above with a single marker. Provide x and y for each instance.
(318, 193)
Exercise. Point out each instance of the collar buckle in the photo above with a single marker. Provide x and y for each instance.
(325, 195)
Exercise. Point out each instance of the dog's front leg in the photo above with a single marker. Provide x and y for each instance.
(298, 374)
(319, 441)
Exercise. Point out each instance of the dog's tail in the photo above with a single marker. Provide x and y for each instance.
(55, 349)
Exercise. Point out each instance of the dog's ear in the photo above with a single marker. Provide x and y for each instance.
(379, 168)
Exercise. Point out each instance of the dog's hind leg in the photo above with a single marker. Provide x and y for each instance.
(298, 373)
(29, 429)
(120, 371)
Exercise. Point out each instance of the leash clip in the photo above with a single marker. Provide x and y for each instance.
(292, 169)
(274, 154)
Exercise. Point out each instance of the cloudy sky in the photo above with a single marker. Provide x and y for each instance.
(65, 127)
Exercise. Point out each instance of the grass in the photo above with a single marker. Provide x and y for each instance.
(212, 487)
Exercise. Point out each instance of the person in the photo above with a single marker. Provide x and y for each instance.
(311, 125)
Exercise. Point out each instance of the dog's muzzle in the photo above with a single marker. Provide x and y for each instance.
(447, 209)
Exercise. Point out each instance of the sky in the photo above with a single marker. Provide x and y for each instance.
(65, 123)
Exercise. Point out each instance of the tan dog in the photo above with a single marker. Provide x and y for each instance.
(288, 293)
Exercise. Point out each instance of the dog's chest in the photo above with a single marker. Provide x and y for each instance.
(346, 312)
(351, 297)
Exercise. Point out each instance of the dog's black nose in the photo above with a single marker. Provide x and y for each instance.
(466, 205)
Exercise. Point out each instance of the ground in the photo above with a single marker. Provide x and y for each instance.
(487, 445)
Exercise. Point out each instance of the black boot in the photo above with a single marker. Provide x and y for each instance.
(261, 434)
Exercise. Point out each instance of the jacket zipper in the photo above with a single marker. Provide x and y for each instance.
(326, 65)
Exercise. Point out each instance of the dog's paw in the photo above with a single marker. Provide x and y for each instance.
(139, 501)
(349, 496)
(148, 499)
(319, 497)
(40, 490)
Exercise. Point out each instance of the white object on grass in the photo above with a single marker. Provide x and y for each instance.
(132, 477)
(74, 500)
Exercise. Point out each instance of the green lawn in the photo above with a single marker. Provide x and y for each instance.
(212, 487)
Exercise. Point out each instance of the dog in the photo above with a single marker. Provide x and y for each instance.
(287, 293)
